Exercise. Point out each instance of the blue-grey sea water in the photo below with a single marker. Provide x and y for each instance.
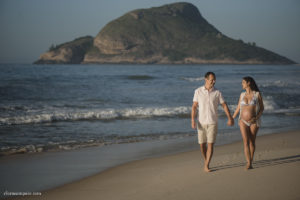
(61, 107)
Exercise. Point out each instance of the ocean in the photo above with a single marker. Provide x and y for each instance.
(65, 107)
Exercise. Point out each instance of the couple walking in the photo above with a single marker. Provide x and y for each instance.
(205, 103)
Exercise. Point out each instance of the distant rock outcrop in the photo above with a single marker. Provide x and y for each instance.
(67, 53)
(170, 34)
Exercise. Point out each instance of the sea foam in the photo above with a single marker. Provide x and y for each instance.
(100, 114)
(193, 79)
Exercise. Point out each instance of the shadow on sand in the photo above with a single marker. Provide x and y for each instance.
(261, 163)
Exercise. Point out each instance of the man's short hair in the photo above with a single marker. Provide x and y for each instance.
(209, 73)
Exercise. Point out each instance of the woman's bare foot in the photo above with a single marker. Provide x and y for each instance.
(248, 166)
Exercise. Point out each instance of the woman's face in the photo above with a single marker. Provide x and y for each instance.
(245, 84)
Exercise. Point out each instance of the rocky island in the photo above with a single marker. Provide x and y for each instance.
(170, 34)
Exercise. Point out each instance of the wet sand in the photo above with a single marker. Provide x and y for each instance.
(276, 175)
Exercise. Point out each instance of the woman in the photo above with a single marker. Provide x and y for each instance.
(250, 107)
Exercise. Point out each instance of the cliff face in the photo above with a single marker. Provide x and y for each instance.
(156, 35)
(174, 33)
(67, 53)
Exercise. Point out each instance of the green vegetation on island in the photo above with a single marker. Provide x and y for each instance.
(173, 33)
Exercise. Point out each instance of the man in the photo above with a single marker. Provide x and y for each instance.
(206, 99)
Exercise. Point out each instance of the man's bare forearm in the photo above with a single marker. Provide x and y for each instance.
(194, 113)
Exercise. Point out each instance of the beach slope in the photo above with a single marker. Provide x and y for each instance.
(276, 175)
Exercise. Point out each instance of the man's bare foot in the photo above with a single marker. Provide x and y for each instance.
(206, 169)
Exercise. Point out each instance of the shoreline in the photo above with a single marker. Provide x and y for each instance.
(46, 170)
(276, 165)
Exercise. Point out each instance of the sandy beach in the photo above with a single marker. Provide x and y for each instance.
(276, 175)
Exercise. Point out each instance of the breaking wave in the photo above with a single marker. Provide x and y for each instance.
(279, 83)
(106, 114)
(15, 115)
(191, 79)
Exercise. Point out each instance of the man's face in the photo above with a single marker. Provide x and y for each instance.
(210, 81)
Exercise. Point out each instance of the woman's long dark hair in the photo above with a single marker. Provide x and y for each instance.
(252, 85)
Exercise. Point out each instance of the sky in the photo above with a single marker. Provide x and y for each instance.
(29, 27)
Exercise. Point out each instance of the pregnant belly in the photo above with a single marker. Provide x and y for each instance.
(248, 113)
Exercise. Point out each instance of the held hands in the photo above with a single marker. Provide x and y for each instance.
(230, 122)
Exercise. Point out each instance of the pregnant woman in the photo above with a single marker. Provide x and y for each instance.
(250, 107)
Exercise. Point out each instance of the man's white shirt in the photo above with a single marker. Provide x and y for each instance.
(208, 102)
